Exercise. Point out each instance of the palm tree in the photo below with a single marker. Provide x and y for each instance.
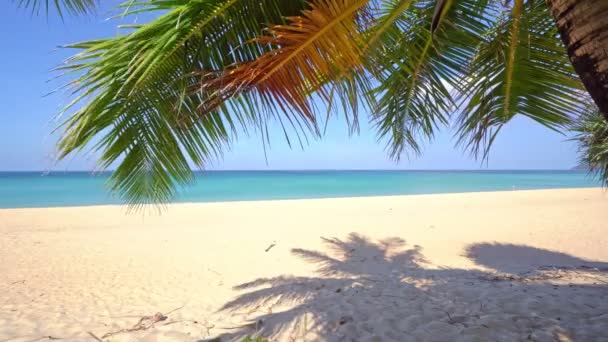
(174, 90)
(583, 26)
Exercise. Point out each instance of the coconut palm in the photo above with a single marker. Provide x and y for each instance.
(176, 89)
(583, 27)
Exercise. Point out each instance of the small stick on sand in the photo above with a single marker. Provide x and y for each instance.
(144, 323)
(270, 247)
(94, 336)
(213, 271)
(46, 338)
(172, 311)
(450, 320)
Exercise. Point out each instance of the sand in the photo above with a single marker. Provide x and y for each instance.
(501, 266)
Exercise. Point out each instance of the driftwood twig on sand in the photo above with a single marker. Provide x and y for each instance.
(144, 323)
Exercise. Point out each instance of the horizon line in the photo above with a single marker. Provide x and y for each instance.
(299, 170)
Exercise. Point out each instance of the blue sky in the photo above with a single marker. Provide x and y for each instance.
(26, 143)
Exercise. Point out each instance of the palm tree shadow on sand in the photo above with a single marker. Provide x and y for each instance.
(386, 290)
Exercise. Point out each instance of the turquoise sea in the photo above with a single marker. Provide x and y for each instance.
(36, 189)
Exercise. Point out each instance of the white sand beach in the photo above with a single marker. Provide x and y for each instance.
(500, 266)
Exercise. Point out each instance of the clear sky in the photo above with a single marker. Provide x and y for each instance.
(30, 50)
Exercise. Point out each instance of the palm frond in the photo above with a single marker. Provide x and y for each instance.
(132, 92)
(74, 7)
(592, 137)
(171, 93)
(520, 68)
(389, 13)
(442, 7)
(316, 49)
(416, 67)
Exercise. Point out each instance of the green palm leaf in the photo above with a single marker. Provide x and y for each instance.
(171, 93)
(418, 63)
(520, 68)
(592, 136)
(132, 90)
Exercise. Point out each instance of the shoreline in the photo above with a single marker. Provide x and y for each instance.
(503, 265)
(174, 204)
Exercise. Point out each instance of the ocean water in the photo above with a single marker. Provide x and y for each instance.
(36, 189)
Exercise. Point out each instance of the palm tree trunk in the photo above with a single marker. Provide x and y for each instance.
(583, 27)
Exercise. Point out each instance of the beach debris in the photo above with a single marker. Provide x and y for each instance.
(49, 337)
(457, 319)
(146, 322)
(94, 336)
(345, 319)
(214, 271)
(176, 309)
(271, 245)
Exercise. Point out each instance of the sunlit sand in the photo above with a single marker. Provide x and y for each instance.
(508, 266)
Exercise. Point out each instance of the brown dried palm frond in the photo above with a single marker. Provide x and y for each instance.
(318, 47)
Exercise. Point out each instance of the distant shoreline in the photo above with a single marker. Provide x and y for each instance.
(33, 189)
(576, 169)
(168, 206)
